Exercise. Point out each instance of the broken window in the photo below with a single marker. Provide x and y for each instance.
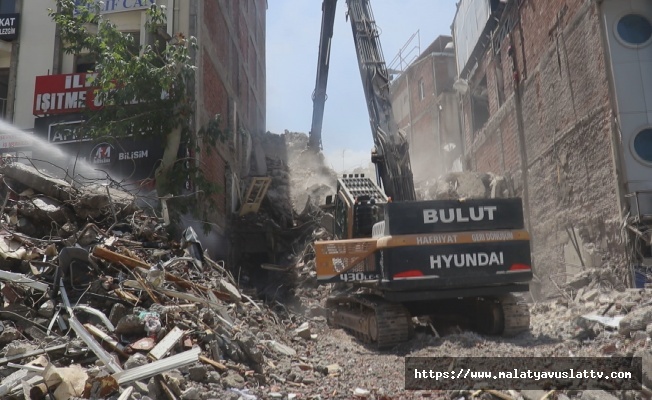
(4, 87)
(480, 104)
(84, 63)
(500, 81)
(422, 90)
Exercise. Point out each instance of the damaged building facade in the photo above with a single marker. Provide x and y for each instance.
(425, 108)
(558, 99)
(230, 62)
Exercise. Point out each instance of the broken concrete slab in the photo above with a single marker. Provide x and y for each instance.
(280, 348)
(44, 210)
(637, 320)
(233, 380)
(69, 381)
(303, 331)
(611, 322)
(39, 181)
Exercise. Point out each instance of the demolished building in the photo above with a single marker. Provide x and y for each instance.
(546, 101)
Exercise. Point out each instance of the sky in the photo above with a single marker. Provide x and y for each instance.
(293, 29)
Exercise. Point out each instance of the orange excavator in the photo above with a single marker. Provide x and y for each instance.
(395, 257)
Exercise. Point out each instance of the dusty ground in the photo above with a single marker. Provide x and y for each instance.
(360, 371)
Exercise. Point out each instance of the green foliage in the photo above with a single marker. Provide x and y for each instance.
(145, 90)
(188, 169)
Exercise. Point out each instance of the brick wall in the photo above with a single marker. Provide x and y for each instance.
(566, 117)
(232, 80)
(421, 85)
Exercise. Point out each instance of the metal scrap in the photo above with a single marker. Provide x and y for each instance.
(130, 302)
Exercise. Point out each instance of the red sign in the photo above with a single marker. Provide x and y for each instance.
(62, 94)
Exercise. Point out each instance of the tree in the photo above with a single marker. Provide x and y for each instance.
(144, 90)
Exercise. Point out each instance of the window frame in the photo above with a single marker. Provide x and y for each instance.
(632, 145)
(622, 40)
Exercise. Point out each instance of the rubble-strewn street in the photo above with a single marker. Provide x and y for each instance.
(99, 302)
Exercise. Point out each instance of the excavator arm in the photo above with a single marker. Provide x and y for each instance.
(319, 95)
(391, 154)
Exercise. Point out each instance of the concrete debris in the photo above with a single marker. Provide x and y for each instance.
(280, 348)
(636, 320)
(611, 322)
(121, 308)
(465, 185)
(303, 331)
(125, 310)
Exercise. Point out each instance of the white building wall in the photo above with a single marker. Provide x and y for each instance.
(37, 44)
(35, 57)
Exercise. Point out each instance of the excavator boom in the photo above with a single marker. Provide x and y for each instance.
(319, 95)
(394, 257)
(391, 154)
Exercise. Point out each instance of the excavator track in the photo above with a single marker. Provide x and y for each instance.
(370, 318)
(516, 315)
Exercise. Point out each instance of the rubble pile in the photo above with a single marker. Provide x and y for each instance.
(310, 178)
(98, 302)
(465, 185)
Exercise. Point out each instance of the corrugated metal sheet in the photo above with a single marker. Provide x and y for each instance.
(471, 18)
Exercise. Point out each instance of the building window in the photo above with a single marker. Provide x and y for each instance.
(7, 6)
(4, 88)
(134, 47)
(500, 81)
(643, 145)
(422, 90)
(480, 105)
(84, 63)
(634, 30)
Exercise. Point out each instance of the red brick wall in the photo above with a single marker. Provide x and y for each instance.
(566, 125)
(215, 102)
(232, 73)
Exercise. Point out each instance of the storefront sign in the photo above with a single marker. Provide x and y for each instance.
(60, 94)
(134, 158)
(13, 140)
(9, 26)
(65, 132)
(116, 6)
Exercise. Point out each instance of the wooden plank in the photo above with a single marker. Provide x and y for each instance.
(112, 256)
(166, 344)
(255, 195)
(124, 295)
(219, 366)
